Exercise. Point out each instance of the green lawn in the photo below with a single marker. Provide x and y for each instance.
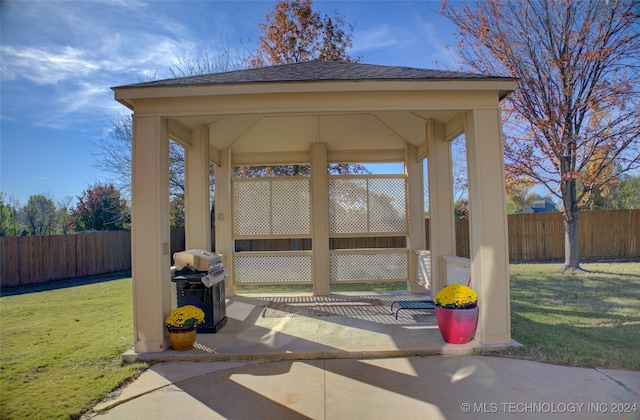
(581, 320)
(60, 349)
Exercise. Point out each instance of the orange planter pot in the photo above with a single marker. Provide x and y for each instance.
(457, 326)
(182, 338)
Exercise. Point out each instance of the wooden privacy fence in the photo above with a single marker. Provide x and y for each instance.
(38, 259)
(539, 236)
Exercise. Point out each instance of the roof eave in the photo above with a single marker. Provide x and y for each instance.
(504, 93)
(127, 94)
(126, 102)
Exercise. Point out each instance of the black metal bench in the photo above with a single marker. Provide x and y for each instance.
(412, 304)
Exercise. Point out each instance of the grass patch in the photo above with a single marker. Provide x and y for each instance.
(588, 319)
(60, 349)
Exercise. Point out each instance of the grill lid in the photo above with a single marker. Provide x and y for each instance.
(196, 259)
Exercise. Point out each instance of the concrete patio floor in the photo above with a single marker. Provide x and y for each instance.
(265, 366)
(434, 387)
(252, 334)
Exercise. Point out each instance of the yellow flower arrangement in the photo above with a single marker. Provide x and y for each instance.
(185, 317)
(456, 296)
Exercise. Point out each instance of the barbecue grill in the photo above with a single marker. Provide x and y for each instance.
(199, 281)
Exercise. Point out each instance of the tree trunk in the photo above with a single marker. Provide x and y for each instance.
(571, 256)
(571, 210)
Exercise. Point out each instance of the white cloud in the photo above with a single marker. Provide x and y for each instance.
(61, 73)
(44, 66)
(381, 36)
(46, 42)
(59, 59)
(49, 65)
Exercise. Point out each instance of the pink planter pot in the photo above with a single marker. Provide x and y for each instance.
(457, 326)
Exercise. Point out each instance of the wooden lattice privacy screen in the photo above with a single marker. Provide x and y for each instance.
(359, 206)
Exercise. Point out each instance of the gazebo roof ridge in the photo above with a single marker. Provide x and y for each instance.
(315, 71)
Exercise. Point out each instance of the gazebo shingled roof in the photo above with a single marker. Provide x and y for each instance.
(315, 71)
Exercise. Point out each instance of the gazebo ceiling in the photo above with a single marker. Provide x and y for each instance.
(257, 133)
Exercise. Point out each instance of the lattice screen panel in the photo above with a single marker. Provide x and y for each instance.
(348, 206)
(272, 268)
(387, 205)
(252, 212)
(367, 205)
(272, 207)
(350, 267)
(291, 207)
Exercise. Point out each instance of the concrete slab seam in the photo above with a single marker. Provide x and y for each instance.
(622, 384)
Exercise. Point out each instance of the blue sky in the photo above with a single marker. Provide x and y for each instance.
(59, 60)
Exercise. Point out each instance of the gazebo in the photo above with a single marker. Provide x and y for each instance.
(316, 114)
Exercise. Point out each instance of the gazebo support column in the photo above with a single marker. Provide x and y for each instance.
(224, 216)
(150, 233)
(197, 200)
(442, 229)
(415, 176)
(320, 218)
(488, 225)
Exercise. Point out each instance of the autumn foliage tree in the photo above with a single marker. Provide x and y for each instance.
(294, 33)
(101, 208)
(573, 123)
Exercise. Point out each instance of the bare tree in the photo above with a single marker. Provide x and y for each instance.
(206, 62)
(115, 157)
(63, 215)
(115, 153)
(575, 112)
